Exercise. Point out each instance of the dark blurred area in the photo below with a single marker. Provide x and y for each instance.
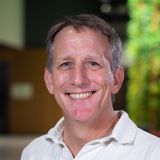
(4, 96)
(42, 15)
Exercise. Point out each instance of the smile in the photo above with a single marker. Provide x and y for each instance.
(80, 95)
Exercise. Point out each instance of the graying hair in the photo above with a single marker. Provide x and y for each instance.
(93, 22)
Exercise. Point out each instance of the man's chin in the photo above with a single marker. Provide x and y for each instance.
(82, 115)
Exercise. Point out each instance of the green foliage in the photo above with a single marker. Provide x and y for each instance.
(144, 72)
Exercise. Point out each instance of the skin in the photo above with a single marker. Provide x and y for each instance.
(82, 83)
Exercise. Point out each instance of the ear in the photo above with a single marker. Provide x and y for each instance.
(118, 79)
(48, 80)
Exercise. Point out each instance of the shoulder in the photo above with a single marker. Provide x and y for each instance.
(142, 141)
(37, 142)
(137, 135)
(39, 148)
(149, 142)
(35, 145)
(45, 146)
(143, 136)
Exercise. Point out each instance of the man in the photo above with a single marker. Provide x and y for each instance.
(83, 73)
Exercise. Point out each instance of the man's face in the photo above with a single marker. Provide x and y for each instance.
(81, 78)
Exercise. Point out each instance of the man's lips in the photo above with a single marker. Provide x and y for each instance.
(81, 95)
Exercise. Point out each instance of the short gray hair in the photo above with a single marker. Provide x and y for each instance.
(92, 22)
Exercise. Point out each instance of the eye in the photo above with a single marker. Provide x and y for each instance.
(65, 65)
(94, 65)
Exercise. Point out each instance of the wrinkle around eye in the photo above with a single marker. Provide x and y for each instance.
(65, 65)
(94, 65)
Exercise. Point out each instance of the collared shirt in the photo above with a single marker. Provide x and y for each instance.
(126, 142)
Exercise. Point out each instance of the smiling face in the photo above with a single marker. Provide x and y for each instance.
(81, 78)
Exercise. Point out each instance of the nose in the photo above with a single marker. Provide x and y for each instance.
(79, 77)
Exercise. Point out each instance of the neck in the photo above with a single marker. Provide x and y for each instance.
(77, 134)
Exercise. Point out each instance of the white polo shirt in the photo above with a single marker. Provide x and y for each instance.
(126, 142)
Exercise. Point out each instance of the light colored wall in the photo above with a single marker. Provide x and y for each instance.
(12, 23)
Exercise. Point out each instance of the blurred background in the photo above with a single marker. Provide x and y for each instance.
(26, 108)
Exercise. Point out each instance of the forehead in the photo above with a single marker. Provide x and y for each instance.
(82, 41)
(83, 32)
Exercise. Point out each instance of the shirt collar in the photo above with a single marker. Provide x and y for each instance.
(55, 134)
(124, 131)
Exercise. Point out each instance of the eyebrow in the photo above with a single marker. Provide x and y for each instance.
(87, 57)
(92, 57)
(64, 58)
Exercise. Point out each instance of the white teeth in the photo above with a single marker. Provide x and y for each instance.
(80, 95)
